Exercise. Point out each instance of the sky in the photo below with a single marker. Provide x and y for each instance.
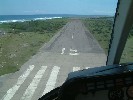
(80, 7)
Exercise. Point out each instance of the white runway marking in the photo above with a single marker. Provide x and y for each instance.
(63, 49)
(33, 85)
(87, 67)
(10, 93)
(72, 36)
(73, 54)
(76, 69)
(73, 50)
(52, 80)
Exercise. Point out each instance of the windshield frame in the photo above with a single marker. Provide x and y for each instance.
(121, 28)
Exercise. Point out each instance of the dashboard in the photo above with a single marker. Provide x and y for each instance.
(114, 82)
(105, 83)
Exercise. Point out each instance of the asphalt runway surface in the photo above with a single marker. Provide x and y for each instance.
(73, 48)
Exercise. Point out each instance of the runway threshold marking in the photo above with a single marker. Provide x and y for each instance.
(33, 85)
(52, 80)
(10, 93)
(63, 49)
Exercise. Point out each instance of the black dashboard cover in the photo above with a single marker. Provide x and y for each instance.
(76, 81)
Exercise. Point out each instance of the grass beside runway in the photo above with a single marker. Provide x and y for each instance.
(127, 55)
(21, 40)
(101, 28)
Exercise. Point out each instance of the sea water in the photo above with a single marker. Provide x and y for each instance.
(22, 18)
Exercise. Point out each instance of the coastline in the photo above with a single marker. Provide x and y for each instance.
(23, 20)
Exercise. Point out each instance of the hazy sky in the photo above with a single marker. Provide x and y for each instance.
(84, 7)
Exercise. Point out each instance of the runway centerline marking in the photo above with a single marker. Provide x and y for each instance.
(52, 80)
(10, 93)
(33, 85)
(63, 49)
(72, 36)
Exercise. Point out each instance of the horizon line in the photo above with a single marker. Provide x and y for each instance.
(60, 14)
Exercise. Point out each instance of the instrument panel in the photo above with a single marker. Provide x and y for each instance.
(105, 83)
(116, 89)
(100, 83)
(112, 94)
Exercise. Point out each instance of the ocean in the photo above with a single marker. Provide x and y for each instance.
(22, 18)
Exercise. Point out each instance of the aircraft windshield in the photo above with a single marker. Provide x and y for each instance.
(41, 41)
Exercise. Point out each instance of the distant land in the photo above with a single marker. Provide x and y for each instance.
(22, 18)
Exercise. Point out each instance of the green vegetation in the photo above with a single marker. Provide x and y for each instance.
(22, 40)
(101, 28)
(34, 26)
(127, 55)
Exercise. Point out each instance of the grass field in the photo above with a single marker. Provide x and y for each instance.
(101, 28)
(19, 44)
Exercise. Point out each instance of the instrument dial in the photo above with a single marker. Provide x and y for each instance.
(129, 92)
